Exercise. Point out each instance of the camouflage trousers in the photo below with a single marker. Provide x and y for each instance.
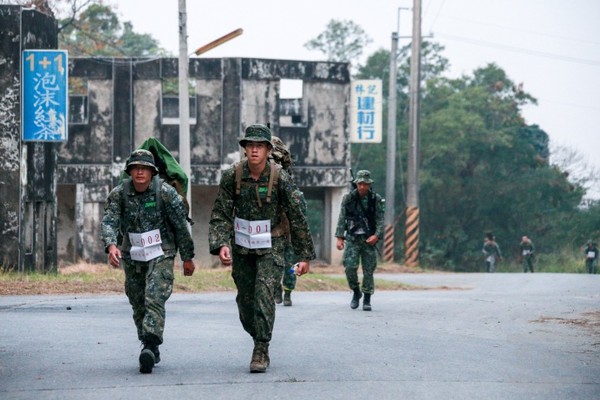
(289, 277)
(358, 252)
(256, 277)
(148, 285)
(527, 264)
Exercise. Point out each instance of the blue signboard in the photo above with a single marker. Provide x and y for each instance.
(366, 111)
(44, 77)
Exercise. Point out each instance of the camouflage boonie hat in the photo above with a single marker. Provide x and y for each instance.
(281, 153)
(363, 176)
(256, 133)
(141, 157)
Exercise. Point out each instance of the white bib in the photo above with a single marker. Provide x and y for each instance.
(145, 246)
(252, 234)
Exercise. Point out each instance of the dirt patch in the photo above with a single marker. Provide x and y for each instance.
(589, 320)
(103, 279)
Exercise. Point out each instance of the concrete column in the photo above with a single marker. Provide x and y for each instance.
(28, 171)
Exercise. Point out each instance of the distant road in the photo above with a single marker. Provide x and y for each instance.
(474, 336)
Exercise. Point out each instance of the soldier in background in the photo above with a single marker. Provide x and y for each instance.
(281, 155)
(527, 255)
(359, 229)
(591, 257)
(144, 204)
(265, 190)
(491, 252)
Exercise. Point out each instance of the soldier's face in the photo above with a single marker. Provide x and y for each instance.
(257, 152)
(362, 188)
(140, 174)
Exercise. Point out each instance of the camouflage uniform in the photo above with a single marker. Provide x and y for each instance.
(491, 252)
(591, 257)
(257, 272)
(527, 253)
(149, 284)
(356, 250)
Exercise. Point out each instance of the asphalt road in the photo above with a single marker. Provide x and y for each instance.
(469, 336)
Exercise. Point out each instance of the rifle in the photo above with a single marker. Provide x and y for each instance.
(352, 181)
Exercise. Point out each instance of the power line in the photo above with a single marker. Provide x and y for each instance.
(530, 52)
(508, 28)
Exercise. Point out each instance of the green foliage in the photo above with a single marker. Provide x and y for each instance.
(342, 41)
(97, 31)
(482, 168)
(563, 261)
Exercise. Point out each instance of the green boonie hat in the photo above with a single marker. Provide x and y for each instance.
(141, 157)
(363, 176)
(256, 133)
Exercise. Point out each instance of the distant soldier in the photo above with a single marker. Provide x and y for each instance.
(281, 155)
(591, 257)
(244, 218)
(144, 207)
(359, 229)
(491, 252)
(527, 254)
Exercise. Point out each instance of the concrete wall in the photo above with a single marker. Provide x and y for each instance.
(27, 170)
(126, 105)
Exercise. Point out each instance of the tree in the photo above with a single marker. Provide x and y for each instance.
(91, 28)
(482, 168)
(579, 171)
(97, 31)
(342, 41)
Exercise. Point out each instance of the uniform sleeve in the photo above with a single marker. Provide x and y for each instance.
(111, 220)
(176, 214)
(300, 231)
(220, 228)
(341, 223)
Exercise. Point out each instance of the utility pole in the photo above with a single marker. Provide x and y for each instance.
(412, 195)
(390, 190)
(184, 102)
(390, 181)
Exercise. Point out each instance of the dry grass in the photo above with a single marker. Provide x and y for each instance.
(102, 279)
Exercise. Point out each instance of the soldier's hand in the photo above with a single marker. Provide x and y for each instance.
(114, 256)
(372, 240)
(340, 243)
(303, 268)
(225, 256)
(188, 268)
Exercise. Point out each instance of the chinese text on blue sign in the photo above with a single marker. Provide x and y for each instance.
(45, 95)
(366, 111)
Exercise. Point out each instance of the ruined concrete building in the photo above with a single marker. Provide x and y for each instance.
(52, 194)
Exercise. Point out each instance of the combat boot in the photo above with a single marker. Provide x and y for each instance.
(260, 357)
(287, 298)
(355, 298)
(367, 302)
(278, 298)
(156, 354)
(147, 359)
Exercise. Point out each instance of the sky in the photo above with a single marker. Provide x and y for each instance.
(552, 47)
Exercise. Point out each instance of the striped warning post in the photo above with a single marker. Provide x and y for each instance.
(388, 243)
(412, 237)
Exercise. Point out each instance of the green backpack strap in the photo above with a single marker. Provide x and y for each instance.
(127, 188)
(238, 178)
(157, 185)
(273, 177)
